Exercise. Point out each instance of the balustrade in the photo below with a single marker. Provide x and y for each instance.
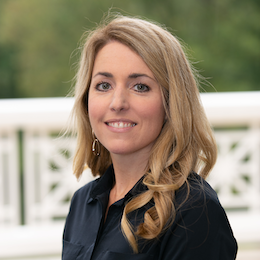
(36, 181)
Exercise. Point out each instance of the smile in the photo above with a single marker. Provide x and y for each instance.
(120, 124)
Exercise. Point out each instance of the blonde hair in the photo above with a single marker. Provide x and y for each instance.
(185, 143)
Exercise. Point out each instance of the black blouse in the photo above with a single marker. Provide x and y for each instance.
(200, 229)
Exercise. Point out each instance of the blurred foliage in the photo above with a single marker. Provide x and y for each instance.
(38, 38)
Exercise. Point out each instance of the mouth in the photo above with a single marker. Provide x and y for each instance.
(120, 124)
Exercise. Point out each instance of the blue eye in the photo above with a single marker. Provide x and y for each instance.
(103, 86)
(141, 88)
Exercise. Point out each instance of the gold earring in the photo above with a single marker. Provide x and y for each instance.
(95, 146)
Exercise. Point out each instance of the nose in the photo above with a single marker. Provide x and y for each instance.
(119, 100)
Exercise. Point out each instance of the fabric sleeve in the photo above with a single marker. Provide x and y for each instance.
(200, 231)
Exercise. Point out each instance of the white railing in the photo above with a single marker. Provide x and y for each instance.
(36, 181)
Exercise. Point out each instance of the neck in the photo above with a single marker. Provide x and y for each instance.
(128, 170)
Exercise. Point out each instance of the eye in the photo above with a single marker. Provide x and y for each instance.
(141, 88)
(103, 86)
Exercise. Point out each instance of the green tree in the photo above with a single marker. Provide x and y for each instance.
(38, 39)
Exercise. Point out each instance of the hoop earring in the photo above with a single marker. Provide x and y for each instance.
(96, 147)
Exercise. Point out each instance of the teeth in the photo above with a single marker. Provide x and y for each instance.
(121, 125)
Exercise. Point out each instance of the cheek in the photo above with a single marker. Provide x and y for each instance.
(96, 112)
(154, 112)
(93, 111)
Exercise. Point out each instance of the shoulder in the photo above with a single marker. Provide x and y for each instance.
(78, 206)
(84, 193)
(195, 193)
(200, 227)
(198, 208)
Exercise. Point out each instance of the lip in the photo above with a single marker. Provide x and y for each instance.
(120, 124)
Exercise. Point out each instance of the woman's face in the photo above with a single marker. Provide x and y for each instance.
(125, 104)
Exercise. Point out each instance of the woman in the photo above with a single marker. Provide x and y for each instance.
(142, 129)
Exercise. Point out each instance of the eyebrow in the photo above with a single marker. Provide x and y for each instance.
(137, 75)
(131, 76)
(106, 74)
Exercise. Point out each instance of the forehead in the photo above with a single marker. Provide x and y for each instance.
(115, 56)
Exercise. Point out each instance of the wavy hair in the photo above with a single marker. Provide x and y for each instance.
(186, 142)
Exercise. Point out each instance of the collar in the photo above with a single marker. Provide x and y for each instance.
(106, 182)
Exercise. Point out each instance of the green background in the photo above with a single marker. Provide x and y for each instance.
(39, 40)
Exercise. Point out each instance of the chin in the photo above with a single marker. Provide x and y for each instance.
(120, 152)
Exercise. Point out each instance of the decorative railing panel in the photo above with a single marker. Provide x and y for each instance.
(9, 179)
(236, 176)
(49, 182)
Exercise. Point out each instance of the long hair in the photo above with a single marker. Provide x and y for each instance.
(186, 142)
